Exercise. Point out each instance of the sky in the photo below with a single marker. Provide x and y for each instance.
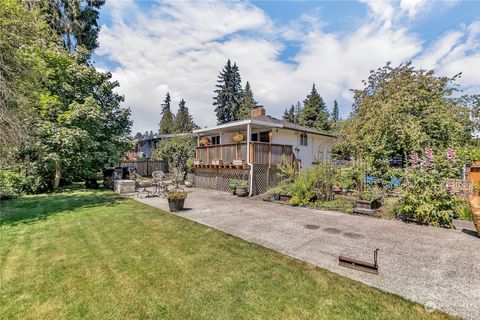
(281, 48)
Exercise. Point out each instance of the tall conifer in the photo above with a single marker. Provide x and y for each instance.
(167, 121)
(314, 113)
(229, 94)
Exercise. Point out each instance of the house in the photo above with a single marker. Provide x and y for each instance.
(146, 144)
(222, 154)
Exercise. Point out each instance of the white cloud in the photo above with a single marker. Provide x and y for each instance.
(180, 47)
(412, 7)
(456, 51)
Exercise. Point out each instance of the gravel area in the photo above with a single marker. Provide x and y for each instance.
(437, 267)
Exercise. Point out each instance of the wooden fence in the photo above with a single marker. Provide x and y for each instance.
(146, 167)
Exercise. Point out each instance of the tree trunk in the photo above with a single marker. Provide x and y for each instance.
(56, 180)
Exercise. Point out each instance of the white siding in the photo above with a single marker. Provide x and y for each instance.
(319, 147)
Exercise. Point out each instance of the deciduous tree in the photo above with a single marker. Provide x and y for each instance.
(402, 110)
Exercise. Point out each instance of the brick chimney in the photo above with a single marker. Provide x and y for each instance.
(257, 112)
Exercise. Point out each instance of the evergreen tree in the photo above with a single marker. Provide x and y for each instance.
(229, 94)
(75, 21)
(314, 113)
(335, 115)
(167, 123)
(248, 102)
(289, 114)
(138, 135)
(184, 120)
(298, 110)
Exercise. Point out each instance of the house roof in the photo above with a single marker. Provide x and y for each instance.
(157, 136)
(267, 121)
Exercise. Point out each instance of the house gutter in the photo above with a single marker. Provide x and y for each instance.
(249, 135)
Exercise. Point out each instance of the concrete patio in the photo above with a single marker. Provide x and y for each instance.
(437, 267)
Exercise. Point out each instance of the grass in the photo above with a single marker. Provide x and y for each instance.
(95, 255)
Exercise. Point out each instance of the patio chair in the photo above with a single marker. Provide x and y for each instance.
(160, 183)
(142, 183)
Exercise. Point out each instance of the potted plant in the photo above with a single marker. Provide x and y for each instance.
(176, 200)
(242, 188)
(239, 137)
(204, 141)
(233, 185)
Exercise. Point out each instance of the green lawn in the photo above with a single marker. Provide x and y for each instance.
(94, 255)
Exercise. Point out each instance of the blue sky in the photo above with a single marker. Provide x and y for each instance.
(281, 47)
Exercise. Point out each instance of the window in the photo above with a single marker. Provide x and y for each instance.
(254, 137)
(303, 139)
(265, 136)
(215, 140)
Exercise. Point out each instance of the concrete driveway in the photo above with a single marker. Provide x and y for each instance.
(437, 267)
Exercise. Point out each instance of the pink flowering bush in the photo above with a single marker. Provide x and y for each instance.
(427, 190)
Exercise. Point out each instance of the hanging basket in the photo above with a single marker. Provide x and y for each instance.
(239, 137)
(204, 141)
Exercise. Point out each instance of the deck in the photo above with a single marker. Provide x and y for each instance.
(234, 155)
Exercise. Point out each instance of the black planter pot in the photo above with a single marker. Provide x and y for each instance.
(372, 205)
(176, 204)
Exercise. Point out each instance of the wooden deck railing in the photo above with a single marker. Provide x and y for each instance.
(260, 153)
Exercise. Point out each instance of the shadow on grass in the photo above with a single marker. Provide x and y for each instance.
(29, 209)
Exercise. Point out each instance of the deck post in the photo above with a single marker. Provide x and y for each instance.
(269, 155)
(208, 155)
(251, 152)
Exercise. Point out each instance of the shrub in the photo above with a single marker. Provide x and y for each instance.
(428, 196)
(10, 185)
(285, 170)
(242, 184)
(313, 184)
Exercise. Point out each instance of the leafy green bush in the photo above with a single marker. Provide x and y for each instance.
(10, 184)
(311, 185)
(428, 195)
(285, 170)
(242, 184)
(177, 152)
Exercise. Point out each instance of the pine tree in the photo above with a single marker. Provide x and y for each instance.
(298, 110)
(184, 120)
(248, 102)
(167, 122)
(229, 94)
(314, 113)
(289, 114)
(335, 112)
